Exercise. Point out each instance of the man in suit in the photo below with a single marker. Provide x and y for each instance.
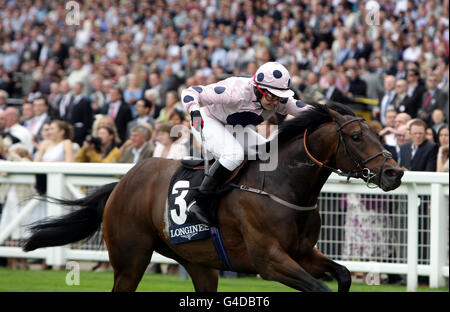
(414, 93)
(388, 132)
(169, 83)
(419, 154)
(334, 94)
(41, 116)
(357, 87)
(119, 111)
(373, 80)
(26, 114)
(79, 114)
(312, 92)
(154, 88)
(66, 99)
(388, 97)
(401, 86)
(16, 132)
(97, 97)
(143, 109)
(433, 98)
(139, 146)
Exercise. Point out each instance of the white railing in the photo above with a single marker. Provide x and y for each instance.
(64, 181)
(416, 186)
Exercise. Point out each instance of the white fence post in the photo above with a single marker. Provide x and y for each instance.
(413, 225)
(55, 189)
(438, 235)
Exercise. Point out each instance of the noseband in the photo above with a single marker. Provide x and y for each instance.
(363, 172)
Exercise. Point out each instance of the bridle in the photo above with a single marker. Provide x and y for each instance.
(363, 172)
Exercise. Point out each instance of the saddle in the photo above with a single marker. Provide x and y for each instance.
(199, 164)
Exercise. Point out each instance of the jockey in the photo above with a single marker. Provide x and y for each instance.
(235, 101)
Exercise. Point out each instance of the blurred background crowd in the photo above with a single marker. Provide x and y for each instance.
(101, 81)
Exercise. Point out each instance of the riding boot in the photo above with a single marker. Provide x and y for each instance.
(199, 208)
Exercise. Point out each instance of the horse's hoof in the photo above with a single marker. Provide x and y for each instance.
(345, 279)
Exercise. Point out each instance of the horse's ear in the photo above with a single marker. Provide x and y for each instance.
(335, 115)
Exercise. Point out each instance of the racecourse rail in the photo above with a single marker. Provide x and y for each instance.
(406, 234)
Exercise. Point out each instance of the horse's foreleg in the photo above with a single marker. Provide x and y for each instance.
(204, 279)
(279, 266)
(317, 264)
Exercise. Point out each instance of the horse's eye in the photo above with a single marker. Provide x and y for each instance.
(356, 137)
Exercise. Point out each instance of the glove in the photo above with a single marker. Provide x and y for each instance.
(196, 120)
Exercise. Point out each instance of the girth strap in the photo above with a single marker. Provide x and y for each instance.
(220, 247)
(274, 198)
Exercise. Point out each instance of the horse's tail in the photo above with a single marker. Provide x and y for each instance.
(74, 226)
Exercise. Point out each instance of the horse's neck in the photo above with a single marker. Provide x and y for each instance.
(304, 179)
(296, 178)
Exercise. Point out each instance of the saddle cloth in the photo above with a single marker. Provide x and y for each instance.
(182, 190)
(183, 228)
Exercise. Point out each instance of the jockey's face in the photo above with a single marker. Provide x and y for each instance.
(269, 104)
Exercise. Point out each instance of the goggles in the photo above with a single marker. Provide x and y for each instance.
(267, 95)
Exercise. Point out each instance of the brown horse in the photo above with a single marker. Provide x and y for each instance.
(260, 235)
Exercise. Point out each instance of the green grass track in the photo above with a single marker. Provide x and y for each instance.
(55, 281)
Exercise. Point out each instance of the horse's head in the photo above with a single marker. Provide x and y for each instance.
(360, 153)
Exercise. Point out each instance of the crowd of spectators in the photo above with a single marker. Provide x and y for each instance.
(101, 57)
(113, 70)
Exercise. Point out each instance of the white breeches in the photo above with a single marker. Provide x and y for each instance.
(229, 144)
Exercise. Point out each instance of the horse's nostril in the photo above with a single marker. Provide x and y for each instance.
(394, 173)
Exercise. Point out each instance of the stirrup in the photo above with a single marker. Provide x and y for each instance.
(195, 211)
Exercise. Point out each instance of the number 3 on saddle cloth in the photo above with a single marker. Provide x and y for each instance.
(183, 189)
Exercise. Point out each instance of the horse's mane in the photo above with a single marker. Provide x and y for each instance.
(310, 119)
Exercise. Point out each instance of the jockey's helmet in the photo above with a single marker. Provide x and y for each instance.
(275, 78)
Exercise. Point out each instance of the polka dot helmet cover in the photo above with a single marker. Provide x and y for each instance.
(274, 77)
